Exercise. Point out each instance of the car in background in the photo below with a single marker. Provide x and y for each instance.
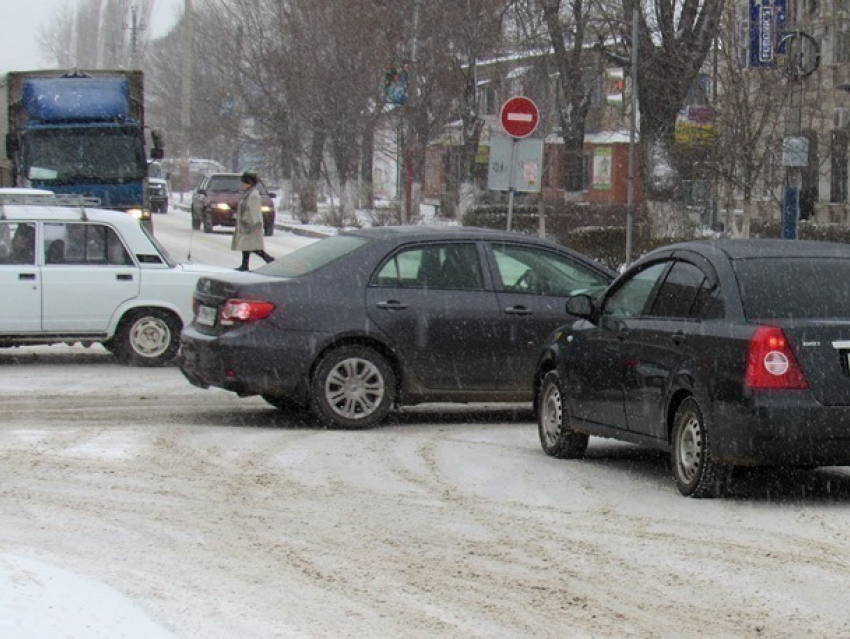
(71, 273)
(215, 202)
(362, 321)
(158, 189)
(721, 353)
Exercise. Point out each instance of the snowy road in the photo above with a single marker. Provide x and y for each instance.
(134, 505)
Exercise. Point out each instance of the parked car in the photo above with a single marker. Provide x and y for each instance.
(158, 190)
(77, 274)
(359, 322)
(721, 353)
(215, 200)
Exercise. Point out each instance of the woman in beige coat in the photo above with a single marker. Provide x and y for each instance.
(248, 235)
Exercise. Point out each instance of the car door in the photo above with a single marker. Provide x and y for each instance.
(95, 274)
(658, 345)
(20, 279)
(599, 360)
(431, 302)
(532, 286)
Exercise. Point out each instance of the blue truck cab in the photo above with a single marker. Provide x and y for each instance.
(81, 133)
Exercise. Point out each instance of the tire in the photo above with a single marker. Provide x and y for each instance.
(207, 222)
(149, 337)
(353, 387)
(557, 437)
(694, 471)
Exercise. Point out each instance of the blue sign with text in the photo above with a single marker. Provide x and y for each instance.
(767, 26)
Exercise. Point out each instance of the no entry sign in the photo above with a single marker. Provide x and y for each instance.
(519, 117)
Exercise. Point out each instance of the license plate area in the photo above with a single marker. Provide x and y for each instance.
(206, 315)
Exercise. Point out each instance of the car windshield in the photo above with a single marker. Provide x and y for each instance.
(224, 183)
(312, 256)
(821, 287)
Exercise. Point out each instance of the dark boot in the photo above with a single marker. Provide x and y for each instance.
(246, 255)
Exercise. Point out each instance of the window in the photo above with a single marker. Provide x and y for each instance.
(678, 295)
(17, 243)
(523, 269)
(630, 299)
(82, 243)
(440, 266)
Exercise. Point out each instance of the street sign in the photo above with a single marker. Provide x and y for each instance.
(519, 117)
(526, 158)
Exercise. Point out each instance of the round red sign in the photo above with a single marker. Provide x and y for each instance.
(519, 117)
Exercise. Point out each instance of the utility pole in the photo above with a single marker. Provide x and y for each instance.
(134, 27)
(630, 205)
(186, 96)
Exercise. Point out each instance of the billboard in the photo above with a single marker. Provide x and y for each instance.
(767, 26)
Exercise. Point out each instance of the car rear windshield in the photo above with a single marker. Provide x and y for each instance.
(780, 288)
(313, 256)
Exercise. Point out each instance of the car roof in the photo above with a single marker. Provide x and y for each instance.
(56, 213)
(757, 248)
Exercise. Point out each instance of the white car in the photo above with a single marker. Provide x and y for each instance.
(70, 273)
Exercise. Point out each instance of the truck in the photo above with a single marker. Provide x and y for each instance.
(79, 133)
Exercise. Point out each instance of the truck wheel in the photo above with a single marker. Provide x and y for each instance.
(353, 387)
(147, 337)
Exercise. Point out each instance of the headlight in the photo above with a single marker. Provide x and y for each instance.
(221, 206)
(266, 209)
(139, 214)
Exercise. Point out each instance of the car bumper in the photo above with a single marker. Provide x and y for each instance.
(245, 366)
(792, 430)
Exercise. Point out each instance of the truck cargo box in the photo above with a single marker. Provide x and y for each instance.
(77, 99)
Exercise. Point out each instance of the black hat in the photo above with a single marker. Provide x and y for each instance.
(249, 178)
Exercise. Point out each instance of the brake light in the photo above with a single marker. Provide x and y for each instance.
(235, 311)
(771, 363)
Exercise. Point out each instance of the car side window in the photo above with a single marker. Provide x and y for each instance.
(440, 266)
(536, 271)
(17, 243)
(677, 296)
(630, 299)
(84, 244)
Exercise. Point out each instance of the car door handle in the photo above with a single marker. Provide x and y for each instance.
(124, 277)
(518, 310)
(392, 305)
(26, 276)
(678, 338)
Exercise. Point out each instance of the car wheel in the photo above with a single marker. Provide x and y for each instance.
(557, 437)
(208, 224)
(353, 387)
(694, 471)
(147, 338)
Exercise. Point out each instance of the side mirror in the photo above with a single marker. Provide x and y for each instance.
(201, 191)
(580, 306)
(157, 153)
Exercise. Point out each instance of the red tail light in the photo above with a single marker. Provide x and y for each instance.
(235, 311)
(771, 363)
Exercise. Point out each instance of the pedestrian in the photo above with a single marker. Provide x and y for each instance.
(248, 235)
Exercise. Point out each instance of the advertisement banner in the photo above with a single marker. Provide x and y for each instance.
(767, 26)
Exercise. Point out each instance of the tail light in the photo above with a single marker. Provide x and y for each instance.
(242, 311)
(771, 363)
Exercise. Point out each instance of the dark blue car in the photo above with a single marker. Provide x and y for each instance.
(357, 323)
(723, 353)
